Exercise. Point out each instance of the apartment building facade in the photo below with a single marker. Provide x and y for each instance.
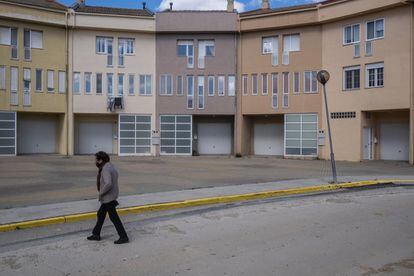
(196, 81)
(112, 91)
(355, 40)
(33, 98)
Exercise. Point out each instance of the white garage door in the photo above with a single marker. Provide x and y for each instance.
(94, 137)
(394, 139)
(268, 139)
(37, 135)
(214, 138)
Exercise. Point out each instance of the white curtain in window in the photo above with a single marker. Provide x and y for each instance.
(26, 74)
(5, 36)
(291, 43)
(37, 39)
(14, 78)
(50, 84)
(201, 53)
(62, 81)
(275, 50)
(2, 77)
(232, 86)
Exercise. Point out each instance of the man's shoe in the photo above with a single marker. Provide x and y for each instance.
(122, 241)
(94, 238)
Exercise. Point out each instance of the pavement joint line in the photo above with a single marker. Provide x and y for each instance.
(200, 202)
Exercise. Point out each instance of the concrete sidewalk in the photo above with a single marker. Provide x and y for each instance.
(15, 215)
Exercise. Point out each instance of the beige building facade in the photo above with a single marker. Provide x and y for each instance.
(367, 48)
(33, 94)
(112, 64)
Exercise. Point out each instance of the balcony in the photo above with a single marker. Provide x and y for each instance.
(115, 103)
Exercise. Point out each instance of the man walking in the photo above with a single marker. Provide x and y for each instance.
(107, 184)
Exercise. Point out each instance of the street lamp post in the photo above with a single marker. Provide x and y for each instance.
(323, 78)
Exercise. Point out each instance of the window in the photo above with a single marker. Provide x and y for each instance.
(190, 92)
(76, 83)
(179, 85)
(36, 39)
(14, 79)
(5, 36)
(375, 29)
(351, 78)
(62, 81)
(351, 34)
(103, 44)
(285, 89)
(264, 84)
(291, 43)
(211, 83)
(127, 45)
(110, 84)
(301, 134)
(50, 80)
(254, 84)
(220, 85)
(185, 48)
(200, 89)
(88, 82)
(205, 49)
(270, 45)
(166, 85)
(145, 85)
(296, 82)
(232, 85)
(245, 84)
(27, 45)
(131, 83)
(275, 90)
(2, 77)
(14, 52)
(38, 80)
(26, 79)
(120, 84)
(311, 82)
(98, 83)
(374, 75)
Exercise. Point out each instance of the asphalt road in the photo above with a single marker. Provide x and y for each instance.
(43, 179)
(367, 232)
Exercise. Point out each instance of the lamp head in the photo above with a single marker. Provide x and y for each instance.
(323, 77)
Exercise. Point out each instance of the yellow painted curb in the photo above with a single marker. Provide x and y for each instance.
(199, 202)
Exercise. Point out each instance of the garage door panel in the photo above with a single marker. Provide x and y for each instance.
(214, 138)
(7, 133)
(94, 137)
(176, 134)
(394, 141)
(37, 136)
(268, 139)
(135, 135)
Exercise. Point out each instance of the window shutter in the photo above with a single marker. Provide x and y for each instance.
(5, 36)
(37, 39)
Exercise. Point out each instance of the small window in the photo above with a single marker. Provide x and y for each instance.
(264, 84)
(311, 82)
(127, 45)
(50, 80)
(205, 49)
(232, 85)
(5, 36)
(14, 79)
(2, 77)
(110, 84)
(352, 34)
(375, 29)
(145, 85)
(254, 84)
(285, 89)
(88, 81)
(296, 82)
(245, 81)
(39, 80)
(179, 84)
(291, 43)
(211, 84)
(351, 78)
(62, 81)
(131, 84)
(275, 90)
(166, 85)
(200, 89)
(98, 83)
(190, 92)
(220, 85)
(104, 45)
(36, 39)
(26, 79)
(374, 75)
(185, 48)
(120, 84)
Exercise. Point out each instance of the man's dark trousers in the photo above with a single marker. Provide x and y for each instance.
(109, 208)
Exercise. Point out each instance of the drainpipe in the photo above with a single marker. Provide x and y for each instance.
(67, 80)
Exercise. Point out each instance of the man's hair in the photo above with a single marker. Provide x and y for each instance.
(101, 155)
